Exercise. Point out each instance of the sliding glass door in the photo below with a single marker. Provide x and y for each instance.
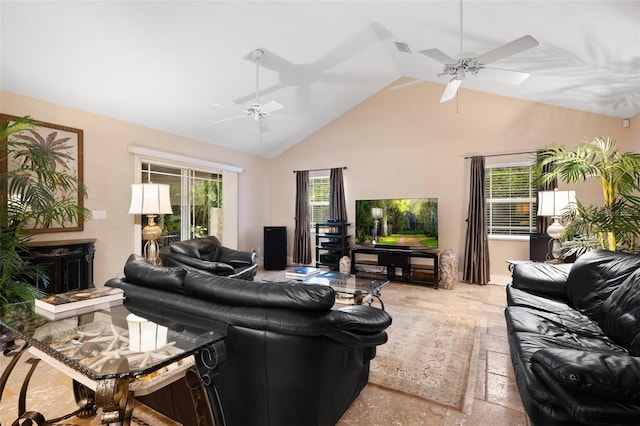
(196, 201)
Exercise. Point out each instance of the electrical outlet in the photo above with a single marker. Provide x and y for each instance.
(99, 214)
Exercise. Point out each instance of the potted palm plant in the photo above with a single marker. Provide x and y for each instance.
(27, 199)
(615, 225)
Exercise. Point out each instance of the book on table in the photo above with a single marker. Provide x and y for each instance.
(63, 302)
(301, 272)
(55, 316)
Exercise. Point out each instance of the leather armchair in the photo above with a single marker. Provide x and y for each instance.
(209, 255)
(291, 358)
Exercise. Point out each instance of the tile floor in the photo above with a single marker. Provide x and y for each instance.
(496, 400)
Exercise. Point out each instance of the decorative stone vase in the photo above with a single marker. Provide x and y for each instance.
(448, 266)
(345, 265)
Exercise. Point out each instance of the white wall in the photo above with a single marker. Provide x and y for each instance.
(405, 143)
(109, 172)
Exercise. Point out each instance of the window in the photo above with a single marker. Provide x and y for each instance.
(318, 200)
(196, 201)
(511, 199)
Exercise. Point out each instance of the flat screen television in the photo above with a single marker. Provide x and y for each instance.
(409, 223)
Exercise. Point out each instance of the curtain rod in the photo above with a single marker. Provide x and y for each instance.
(317, 170)
(502, 154)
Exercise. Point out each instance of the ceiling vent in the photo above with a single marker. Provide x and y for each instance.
(402, 46)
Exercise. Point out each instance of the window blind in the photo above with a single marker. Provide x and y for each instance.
(510, 199)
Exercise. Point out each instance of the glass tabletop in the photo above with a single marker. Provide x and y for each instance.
(348, 284)
(96, 343)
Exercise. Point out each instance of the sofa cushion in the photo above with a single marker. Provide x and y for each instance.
(231, 291)
(542, 278)
(595, 275)
(603, 374)
(620, 314)
(587, 408)
(140, 272)
(517, 297)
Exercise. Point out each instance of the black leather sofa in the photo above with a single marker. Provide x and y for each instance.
(291, 358)
(209, 255)
(574, 338)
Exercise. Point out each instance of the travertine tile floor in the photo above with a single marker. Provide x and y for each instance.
(496, 401)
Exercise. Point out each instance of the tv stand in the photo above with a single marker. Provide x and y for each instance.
(398, 264)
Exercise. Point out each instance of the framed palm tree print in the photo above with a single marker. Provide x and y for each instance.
(64, 147)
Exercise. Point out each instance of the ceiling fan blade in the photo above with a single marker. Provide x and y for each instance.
(273, 62)
(271, 107)
(516, 46)
(229, 119)
(262, 92)
(451, 90)
(409, 84)
(264, 125)
(228, 108)
(505, 76)
(438, 55)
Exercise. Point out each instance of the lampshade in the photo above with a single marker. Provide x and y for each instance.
(555, 203)
(150, 198)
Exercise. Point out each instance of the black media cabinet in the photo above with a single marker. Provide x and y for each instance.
(332, 242)
(391, 261)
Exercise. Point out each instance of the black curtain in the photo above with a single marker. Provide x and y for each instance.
(476, 250)
(302, 237)
(543, 222)
(337, 205)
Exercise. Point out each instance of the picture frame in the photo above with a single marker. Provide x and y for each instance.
(70, 148)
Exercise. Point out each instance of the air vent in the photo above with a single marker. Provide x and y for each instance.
(402, 46)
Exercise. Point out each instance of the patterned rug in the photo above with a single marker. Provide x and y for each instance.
(430, 355)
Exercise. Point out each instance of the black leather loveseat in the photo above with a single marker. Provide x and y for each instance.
(209, 255)
(291, 358)
(574, 337)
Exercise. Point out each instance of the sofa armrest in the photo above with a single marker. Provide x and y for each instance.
(218, 268)
(542, 278)
(605, 375)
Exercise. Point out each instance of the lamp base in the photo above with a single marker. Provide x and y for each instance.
(150, 234)
(151, 252)
(554, 253)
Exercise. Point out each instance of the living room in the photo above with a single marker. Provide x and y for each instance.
(437, 167)
(395, 143)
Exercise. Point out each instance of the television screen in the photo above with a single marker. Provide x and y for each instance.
(403, 222)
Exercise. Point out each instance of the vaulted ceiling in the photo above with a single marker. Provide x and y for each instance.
(182, 67)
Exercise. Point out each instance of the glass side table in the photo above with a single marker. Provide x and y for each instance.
(93, 349)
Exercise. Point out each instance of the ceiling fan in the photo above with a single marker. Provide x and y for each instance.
(476, 65)
(256, 111)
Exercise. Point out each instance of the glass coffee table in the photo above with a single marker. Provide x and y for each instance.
(93, 349)
(351, 289)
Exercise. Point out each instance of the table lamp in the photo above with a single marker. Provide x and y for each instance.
(554, 204)
(150, 199)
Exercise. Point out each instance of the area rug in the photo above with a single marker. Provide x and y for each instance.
(431, 355)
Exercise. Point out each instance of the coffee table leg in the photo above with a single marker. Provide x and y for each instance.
(377, 294)
(113, 396)
(85, 399)
(201, 381)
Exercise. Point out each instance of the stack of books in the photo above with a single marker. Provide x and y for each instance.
(301, 272)
(77, 302)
